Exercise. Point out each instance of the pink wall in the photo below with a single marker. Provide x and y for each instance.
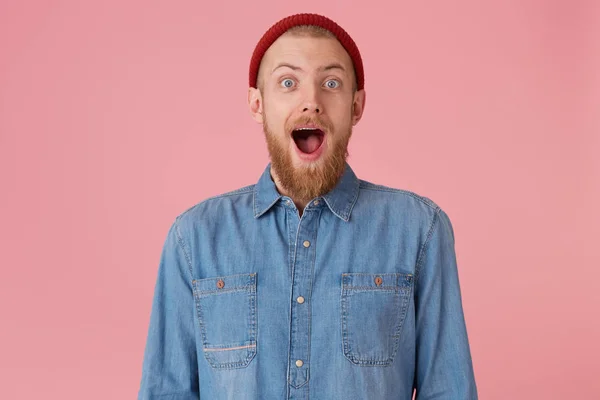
(117, 116)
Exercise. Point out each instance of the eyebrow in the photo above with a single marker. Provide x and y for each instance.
(295, 68)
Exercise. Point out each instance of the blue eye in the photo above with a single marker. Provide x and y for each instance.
(288, 83)
(332, 84)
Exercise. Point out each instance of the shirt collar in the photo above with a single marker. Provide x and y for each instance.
(340, 199)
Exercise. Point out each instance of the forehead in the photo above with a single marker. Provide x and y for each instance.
(306, 51)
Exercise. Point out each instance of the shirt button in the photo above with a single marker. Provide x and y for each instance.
(306, 243)
(220, 283)
(300, 299)
(299, 363)
(316, 202)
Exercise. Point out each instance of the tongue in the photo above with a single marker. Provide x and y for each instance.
(309, 144)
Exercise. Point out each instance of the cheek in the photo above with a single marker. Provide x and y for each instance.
(277, 114)
(273, 118)
(275, 124)
(341, 113)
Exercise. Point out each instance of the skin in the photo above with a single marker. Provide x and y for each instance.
(304, 79)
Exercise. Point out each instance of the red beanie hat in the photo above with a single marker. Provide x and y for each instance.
(306, 19)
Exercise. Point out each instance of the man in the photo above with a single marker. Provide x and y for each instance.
(310, 284)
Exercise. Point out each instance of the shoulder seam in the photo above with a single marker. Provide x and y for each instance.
(380, 188)
(182, 245)
(240, 191)
(425, 245)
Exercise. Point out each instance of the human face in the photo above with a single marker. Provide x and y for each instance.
(307, 105)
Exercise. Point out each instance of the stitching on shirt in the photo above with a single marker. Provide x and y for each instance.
(249, 275)
(344, 214)
(424, 247)
(380, 288)
(289, 377)
(291, 256)
(248, 288)
(257, 212)
(181, 244)
(230, 348)
(393, 274)
(353, 202)
(170, 395)
(402, 296)
(254, 195)
(240, 191)
(380, 188)
(268, 207)
(310, 288)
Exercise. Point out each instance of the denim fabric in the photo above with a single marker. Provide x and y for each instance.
(357, 299)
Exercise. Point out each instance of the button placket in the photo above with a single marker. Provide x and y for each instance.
(299, 363)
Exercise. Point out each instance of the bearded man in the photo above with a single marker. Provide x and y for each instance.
(311, 283)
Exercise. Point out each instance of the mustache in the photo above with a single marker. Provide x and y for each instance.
(323, 124)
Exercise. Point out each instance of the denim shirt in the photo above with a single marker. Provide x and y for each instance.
(358, 298)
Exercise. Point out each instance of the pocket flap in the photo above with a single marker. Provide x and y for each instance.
(226, 283)
(388, 281)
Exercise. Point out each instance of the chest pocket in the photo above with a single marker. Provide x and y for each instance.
(374, 308)
(226, 308)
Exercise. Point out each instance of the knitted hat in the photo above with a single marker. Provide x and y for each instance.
(283, 25)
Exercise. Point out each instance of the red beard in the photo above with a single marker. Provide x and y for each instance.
(306, 183)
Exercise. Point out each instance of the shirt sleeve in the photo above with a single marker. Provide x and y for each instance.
(170, 369)
(444, 368)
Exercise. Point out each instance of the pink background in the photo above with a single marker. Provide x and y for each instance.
(117, 116)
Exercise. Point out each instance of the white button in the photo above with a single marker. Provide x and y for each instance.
(288, 202)
(300, 299)
(306, 243)
(316, 202)
(299, 363)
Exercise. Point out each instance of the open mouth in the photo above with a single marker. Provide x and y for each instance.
(308, 140)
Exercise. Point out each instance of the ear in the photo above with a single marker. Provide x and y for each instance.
(358, 105)
(255, 104)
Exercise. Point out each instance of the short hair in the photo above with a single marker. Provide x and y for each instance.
(310, 30)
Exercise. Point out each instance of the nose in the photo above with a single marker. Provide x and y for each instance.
(311, 107)
(312, 102)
